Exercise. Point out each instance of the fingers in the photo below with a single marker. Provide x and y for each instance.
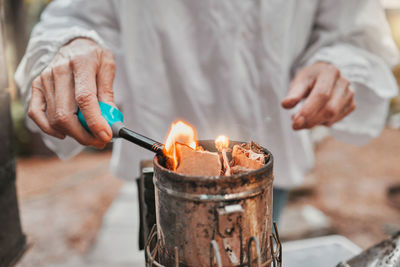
(47, 82)
(346, 112)
(105, 78)
(84, 73)
(299, 88)
(335, 105)
(319, 96)
(339, 105)
(64, 117)
(349, 108)
(37, 110)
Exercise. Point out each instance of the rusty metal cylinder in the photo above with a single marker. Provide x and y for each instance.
(199, 218)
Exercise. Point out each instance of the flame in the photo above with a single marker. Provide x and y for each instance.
(180, 132)
(221, 142)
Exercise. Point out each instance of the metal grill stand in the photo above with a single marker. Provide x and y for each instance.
(152, 244)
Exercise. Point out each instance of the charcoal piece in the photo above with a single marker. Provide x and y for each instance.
(227, 168)
(249, 156)
(198, 163)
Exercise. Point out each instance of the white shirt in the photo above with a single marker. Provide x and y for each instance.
(224, 66)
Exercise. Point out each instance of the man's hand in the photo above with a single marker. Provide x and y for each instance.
(328, 98)
(80, 75)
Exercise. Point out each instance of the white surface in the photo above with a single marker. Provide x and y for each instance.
(323, 251)
(117, 242)
(303, 221)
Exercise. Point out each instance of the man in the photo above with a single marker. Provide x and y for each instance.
(225, 66)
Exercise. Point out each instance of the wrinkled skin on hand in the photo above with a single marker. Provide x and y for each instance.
(328, 97)
(80, 75)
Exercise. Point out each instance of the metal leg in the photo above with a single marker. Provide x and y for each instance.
(275, 251)
(214, 251)
(255, 239)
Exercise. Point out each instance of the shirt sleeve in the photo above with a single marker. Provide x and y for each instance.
(354, 36)
(60, 22)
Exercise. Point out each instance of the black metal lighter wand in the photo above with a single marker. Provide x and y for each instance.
(119, 130)
(114, 118)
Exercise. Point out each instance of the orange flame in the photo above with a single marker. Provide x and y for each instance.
(221, 142)
(180, 132)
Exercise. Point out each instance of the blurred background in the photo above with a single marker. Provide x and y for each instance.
(75, 213)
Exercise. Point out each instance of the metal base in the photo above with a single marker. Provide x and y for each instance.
(151, 248)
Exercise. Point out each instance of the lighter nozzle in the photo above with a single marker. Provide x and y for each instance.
(116, 128)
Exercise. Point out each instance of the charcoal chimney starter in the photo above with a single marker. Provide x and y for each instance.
(213, 221)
